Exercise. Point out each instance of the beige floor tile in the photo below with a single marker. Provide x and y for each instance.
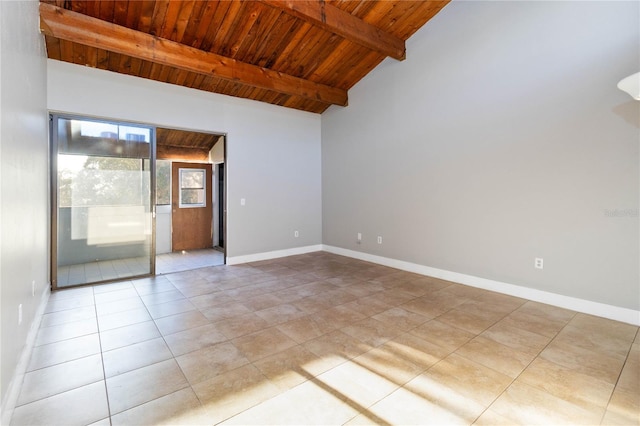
(604, 326)
(362, 288)
(122, 319)
(112, 287)
(434, 304)
(79, 406)
(497, 302)
(337, 346)
(392, 298)
(305, 328)
(221, 312)
(339, 316)
(491, 418)
(567, 384)
(66, 331)
(194, 339)
(543, 326)
(624, 405)
(630, 377)
(128, 335)
(104, 422)
(280, 314)
(212, 299)
(162, 297)
(71, 293)
(180, 322)
(292, 367)
(153, 287)
(365, 307)
(63, 351)
(112, 296)
(466, 378)
(614, 418)
(472, 322)
(263, 343)
(356, 384)
(143, 385)
(402, 358)
(60, 378)
(63, 304)
(119, 306)
(524, 404)
(496, 356)
(597, 341)
(262, 301)
(517, 338)
(170, 308)
(401, 318)
(441, 334)
(178, 408)
(233, 392)
(547, 311)
(134, 356)
(241, 325)
(211, 361)
(70, 315)
(372, 332)
(308, 404)
(312, 304)
(406, 407)
(594, 364)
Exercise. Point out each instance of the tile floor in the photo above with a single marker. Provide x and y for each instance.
(322, 339)
(114, 269)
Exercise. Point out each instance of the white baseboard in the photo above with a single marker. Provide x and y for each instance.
(236, 260)
(13, 390)
(616, 313)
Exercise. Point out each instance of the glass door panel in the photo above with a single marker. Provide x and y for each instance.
(103, 201)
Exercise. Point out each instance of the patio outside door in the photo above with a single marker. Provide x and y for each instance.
(101, 201)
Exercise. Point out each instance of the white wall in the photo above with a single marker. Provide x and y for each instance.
(501, 138)
(273, 152)
(23, 183)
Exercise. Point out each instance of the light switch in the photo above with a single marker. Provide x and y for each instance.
(242, 201)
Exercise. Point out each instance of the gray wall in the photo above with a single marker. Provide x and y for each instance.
(23, 178)
(273, 153)
(501, 138)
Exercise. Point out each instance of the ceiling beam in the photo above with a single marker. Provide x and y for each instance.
(344, 24)
(82, 29)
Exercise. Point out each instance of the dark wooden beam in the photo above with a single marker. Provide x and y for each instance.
(337, 21)
(82, 29)
(165, 152)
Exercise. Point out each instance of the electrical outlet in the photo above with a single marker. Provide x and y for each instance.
(20, 314)
(539, 263)
(379, 240)
(296, 234)
(33, 288)
(359, 236)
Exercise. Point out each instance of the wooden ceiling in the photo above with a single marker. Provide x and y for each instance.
(303, 54)
(185, 145)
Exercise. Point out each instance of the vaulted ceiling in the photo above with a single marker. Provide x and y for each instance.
(303, 54)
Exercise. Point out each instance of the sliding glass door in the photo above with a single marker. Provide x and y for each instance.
(103, 187)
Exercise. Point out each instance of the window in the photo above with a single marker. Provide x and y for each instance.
(192, 187)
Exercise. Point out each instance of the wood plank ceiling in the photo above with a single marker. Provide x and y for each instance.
(302, 54)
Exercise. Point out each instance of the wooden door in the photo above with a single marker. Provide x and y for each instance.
(191, 206)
